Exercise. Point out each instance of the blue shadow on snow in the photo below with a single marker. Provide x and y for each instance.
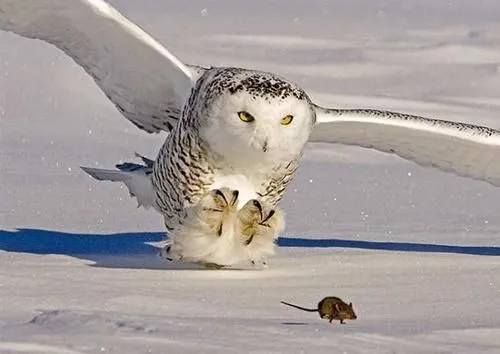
(102, 247)
(71, 244)
(389, 246)
(40, 241)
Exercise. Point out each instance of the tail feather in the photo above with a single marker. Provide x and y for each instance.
(130, 166)
(136, 177)
(149, 163)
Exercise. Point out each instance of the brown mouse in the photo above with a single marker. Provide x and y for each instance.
(332, 308)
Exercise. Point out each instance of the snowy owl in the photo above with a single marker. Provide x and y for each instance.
(235, 136)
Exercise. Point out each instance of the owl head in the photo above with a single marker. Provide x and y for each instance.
(252, 116)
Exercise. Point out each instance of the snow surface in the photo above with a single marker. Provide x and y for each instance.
(417, 251)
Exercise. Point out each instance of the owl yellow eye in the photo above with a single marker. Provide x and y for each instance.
(246, 117)
(286, 120)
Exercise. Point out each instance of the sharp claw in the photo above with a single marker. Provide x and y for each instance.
(220, 194)
(166, 253)
(219, 231)
(214, 209)
(235, 197)
(258, 206)
(247, 242)
(271, 213)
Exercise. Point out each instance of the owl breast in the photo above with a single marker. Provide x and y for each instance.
(246, 187)
(263, 182)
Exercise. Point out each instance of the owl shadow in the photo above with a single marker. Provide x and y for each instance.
(118, 250)
(133, 250)
(140, 250)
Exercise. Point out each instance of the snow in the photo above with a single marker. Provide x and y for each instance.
(415, 250)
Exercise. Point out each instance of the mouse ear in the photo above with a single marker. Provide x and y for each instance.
(350, 304)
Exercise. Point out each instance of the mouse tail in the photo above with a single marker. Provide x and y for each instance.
(299, 307)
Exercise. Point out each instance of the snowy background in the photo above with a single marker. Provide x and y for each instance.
(417, 251)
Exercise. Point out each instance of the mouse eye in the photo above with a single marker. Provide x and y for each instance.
(286, 120)
(246, 117)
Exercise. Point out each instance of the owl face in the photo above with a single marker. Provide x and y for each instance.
(257, 118)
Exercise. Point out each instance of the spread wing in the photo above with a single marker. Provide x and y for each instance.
(464, 149)
(144, 80)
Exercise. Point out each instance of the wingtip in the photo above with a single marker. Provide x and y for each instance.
(90, 171)
(146, 160)
(85, 169)
(95, 173)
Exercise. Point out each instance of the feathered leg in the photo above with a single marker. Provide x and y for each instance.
(206, 234)
(214, 233)
(258, 227)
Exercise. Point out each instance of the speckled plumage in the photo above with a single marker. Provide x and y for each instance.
(219, 176)
(186, 166)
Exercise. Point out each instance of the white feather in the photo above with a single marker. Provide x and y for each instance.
(143, 79)
(149, 86)
(239, 182)
(464, 149)
(195, 240)
(138, 183)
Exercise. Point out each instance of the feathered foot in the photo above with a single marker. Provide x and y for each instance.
(217, 207)
(259, 225)
(205, 236)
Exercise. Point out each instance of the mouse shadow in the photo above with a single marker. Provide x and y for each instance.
(294, 323)
(140, 250)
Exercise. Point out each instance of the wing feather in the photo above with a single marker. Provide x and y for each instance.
(464, 149)
(144, 80)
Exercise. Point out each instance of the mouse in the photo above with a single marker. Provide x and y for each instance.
(331, 308)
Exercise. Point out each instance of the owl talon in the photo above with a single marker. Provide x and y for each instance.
(249, 240)
(260, 263)
(234, 199)
(257, 219)
(170, 254)
(269, 216)
(218, 193)
(216, 206)
(215, 232)
(213, 266)
(257, 204)
(165, 253)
